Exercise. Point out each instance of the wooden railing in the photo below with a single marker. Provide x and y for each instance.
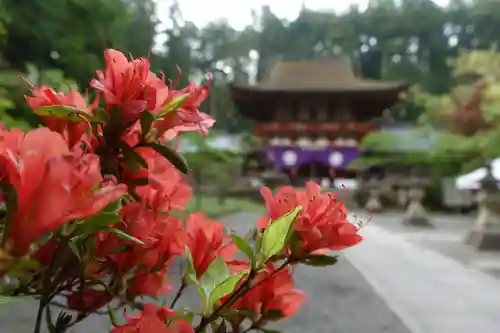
(267, 129)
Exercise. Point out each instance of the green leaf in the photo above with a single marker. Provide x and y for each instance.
(184, 314)
(174, 157)
(320, 260)
(277, 234)
(173, 105)
(74, 248)
(101, 116)
(132, 156)
(23, 267)
(216, 272)
(295, 244)
(98, 222)
(4, 299)
(138, 182)
(112, 316)
(62, 112)
(115, 125)
(26, 265)
(219, 328)
(191, 276)
(146, 122)
(121, 249)
(214, 326)
(243, 245)
(225, 288)
(190, 265)
(123, 235)
(273, 315)
(113, 207)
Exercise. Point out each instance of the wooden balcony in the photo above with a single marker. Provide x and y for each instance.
(316, 128)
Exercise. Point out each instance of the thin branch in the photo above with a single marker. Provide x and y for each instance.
(178, 294)
(240, 292)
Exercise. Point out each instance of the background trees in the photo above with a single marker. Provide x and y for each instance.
(413, 40)
(410, 39)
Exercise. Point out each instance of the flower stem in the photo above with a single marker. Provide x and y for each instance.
(39, 315)
(178, 294)
(240, 292)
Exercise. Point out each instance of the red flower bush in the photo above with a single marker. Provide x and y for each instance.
(90, 214)
(273, 296)
(321, 225)
(153, 319)
(207, 241)
(71, 131)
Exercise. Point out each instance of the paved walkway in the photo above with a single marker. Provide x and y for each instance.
(390, 283)
(339, 300)
(430, 292)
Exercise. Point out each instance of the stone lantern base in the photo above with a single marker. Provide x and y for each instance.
(418, 221)
(416, 216)
(487, 239)
(374, 205)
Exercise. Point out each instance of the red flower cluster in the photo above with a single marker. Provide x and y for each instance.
(273, 296)
(53, 186)
(45, 96)
(154, 320)
(204, 234)
(91, 199)
(322, 225)
(132, 87)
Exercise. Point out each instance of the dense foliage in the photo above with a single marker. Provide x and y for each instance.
(409, 39)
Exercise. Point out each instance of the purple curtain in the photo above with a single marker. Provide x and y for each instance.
(287, 157)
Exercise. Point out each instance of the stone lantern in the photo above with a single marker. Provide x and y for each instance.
(374, 204)
(416, 214)
(485, 234)
(402, 188)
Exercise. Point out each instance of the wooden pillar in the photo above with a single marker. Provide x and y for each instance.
(331, 172)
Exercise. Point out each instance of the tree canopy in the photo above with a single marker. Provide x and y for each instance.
(411, 40)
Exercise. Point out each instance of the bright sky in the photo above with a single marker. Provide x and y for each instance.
(238, 12)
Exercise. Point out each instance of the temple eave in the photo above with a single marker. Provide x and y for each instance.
(252, 108)
(262, 91)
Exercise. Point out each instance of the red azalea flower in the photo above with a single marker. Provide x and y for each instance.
(187, 118)
(52, 187)
(153, 320)
(321, 225)
(276, 292)
(163, 237)
(45, 96)
(207, 241)
(149, 283)
(129, 85)
(88, 300)
(167, 187)
(132, 134)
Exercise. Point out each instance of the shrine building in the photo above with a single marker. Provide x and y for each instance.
(312, 115)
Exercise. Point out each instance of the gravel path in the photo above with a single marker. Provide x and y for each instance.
(340, 300)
